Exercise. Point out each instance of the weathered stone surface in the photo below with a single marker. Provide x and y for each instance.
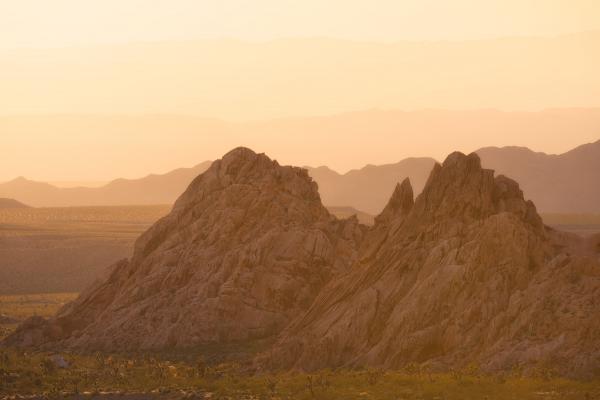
(402, 201)
(245, 249)
(468, 274)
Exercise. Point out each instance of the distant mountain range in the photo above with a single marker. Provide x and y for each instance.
(140, 144)
(152, 189)
(11, 203)
(369, 188)
(568, 182)
(564, 183)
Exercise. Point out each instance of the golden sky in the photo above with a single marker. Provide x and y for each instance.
(200, 77)
(39, 23)
(96, 148)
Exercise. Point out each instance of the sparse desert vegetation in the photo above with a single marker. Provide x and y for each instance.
(16, 308)
(56, 375)
(27, 305)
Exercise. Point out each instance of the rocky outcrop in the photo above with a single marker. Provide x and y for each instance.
(466, 274)
(245, 249)
(400, 203)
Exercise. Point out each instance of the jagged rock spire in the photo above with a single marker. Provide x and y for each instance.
(400, 203)
(460, 189)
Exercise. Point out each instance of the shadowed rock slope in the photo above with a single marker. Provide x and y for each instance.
(245, 249)
(467, 273)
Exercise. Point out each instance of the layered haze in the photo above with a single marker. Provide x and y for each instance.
(94, 91)
(97, 90)
(102, 148)
(557, 183)
(242, 80)
(31, 23)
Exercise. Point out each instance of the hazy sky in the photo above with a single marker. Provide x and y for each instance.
(75, 148)
(49, 65)
(40, 23)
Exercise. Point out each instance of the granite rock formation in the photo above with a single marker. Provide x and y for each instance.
(465, 274)
(245, 249)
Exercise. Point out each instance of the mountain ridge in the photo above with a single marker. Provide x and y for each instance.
(565, 182)
(150, 190)
(550, 180)
(465, 274)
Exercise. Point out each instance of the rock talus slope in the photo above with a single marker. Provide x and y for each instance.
(466, 273)
(245, 249)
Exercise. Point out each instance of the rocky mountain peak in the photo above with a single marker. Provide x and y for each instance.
(461, 190)
(400, 203)
(463, 278)
(242, 166)
(245, 249)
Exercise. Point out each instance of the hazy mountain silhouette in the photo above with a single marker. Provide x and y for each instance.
(369, 188)
(152, 189)
(556, 183)
(563, 183)
(341, 141)
(11, 203)
(567, 183)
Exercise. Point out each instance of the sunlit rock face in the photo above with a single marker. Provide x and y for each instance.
(465, 274)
